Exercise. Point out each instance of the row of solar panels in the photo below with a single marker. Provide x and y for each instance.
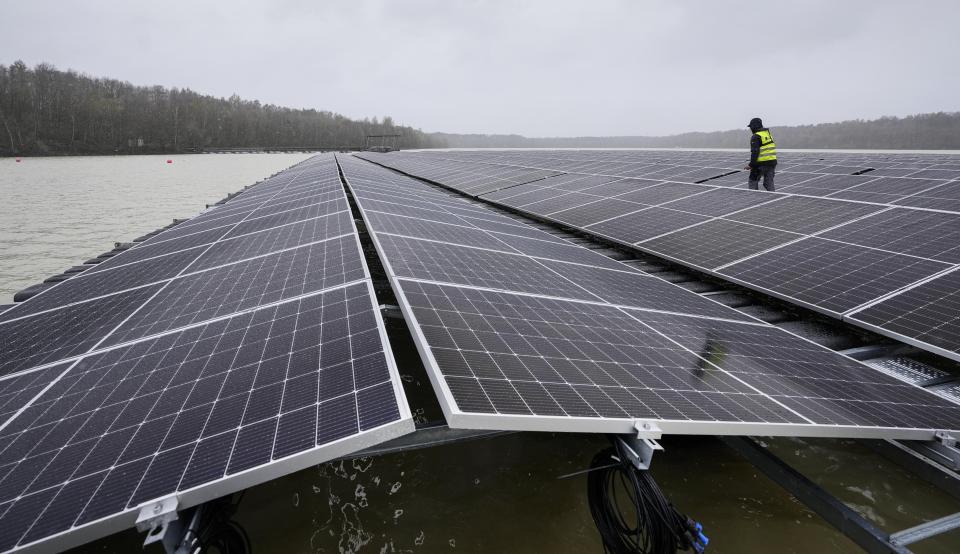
(935, 166)
(524, 331)
(892, 269)
(238, 346)
(246, 343)
(922, 181)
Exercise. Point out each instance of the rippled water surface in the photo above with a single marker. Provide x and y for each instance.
(496, 495)
(58, 212)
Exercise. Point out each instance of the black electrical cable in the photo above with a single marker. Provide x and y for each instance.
(632, 514)
(217, 533)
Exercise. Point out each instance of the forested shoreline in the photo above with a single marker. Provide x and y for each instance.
(46, 111)
(932, 131)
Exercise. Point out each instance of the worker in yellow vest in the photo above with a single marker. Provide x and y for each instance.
(763, 156)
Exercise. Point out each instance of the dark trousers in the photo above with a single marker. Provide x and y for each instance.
(765, 171)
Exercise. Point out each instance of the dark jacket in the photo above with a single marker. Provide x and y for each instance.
(755, 149)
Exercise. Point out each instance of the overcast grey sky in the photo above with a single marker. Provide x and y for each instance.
(538, 68)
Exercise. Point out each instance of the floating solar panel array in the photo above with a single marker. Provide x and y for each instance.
(862, 237)
(238, 346)
(521, 330)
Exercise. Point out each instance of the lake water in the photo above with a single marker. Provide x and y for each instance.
(58, 212)
(496, 495)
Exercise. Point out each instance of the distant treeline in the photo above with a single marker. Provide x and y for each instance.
(933, 131)
(47, 111)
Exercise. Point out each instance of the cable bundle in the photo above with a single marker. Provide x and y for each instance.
(654, 526)
(216, 532)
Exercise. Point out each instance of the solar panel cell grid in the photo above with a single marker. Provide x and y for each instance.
(275, 239)
(645, 224)
(562, 345)
(926, 234)
(719, 202)
(926, 313)
(90, 285)
(244, 285)
(659, 194)
(552, 201)
(566, 252)
(833, 276)
(290, 216)
(153, 248)
(621, 186)
(281, 204)
(581, 183)
(502, 354)
(192, 407)
(17, 392)
(827, 184)
(596, 211)
(435, 261)
(432, 230)
(717, 242)
(629, 288)
(824, 387)
(511, 227)
(65, 332)
(804, 215)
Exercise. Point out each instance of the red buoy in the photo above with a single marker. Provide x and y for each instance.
(169, 161)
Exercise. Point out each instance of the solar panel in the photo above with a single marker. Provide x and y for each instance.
(578, 182)
(438, 261)
(504, 355)
(717, 242)
(659, 194)
(89, 285)
(594, 212)
(832, 276)
(551, 201)
(567, 252)
(65, 332)
(222, 403)
(515, 191)
(279, 238)
(16, 392)
(937, 174)
(827, 184)
(886, 189)
(943, 197)
(267, 356)
(925, 315)
(719, 202)
(703, 239)
(699, 174)
(644, 224)
(931, 235)
(244, 285)
(798, 214)
(620, 186)
(584, 367)
(311, 211)
(634, 289)
(154, 248)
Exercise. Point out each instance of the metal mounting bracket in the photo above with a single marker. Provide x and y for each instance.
(945, 445)
(391, 311)
(647, 429)
(161, 522)
(640, 448)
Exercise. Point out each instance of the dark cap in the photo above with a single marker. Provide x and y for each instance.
(755, 123)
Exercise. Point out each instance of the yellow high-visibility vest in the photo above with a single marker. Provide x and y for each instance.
(768, 148)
